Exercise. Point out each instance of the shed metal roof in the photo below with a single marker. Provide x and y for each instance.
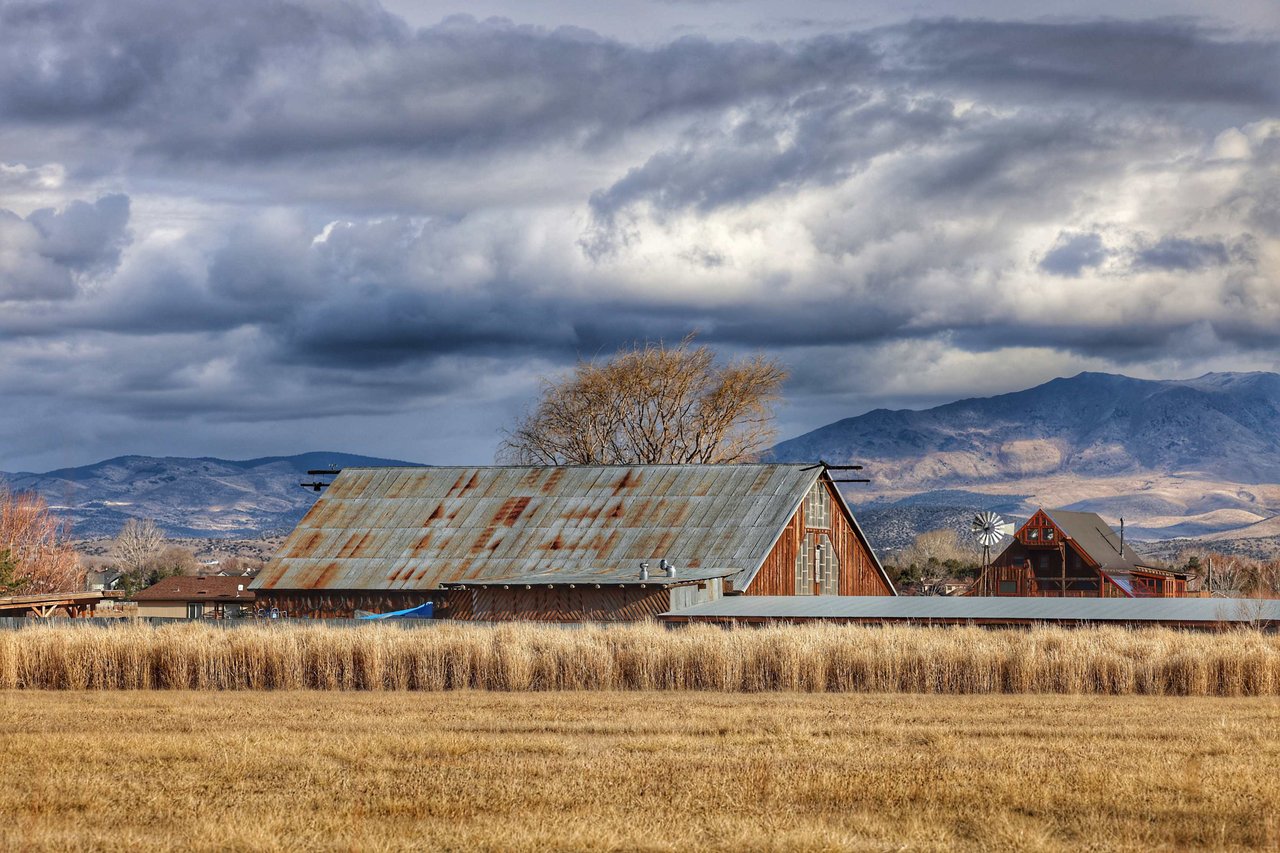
(1096, 538)
(414, 528)
(983, 609)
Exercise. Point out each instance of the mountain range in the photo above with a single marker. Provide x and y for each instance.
(186, 497)
(1174, 458)
(1195, 457)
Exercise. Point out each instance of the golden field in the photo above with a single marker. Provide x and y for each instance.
(306, 770)
(526, 657)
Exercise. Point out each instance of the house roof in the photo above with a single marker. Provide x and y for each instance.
(198, 588)
(1010, 609)
(416, 528)
(1096, 538)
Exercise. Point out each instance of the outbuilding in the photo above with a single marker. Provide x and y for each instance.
(569, 543)
(1066, 554)
(202, 596)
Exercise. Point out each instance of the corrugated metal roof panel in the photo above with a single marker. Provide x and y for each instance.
(923, 608)
(628, 577)
(416, 527)
(1097, 539)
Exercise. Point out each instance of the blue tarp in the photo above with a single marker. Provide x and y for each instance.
(422, 611)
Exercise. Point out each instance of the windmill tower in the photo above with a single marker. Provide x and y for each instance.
(988, 529)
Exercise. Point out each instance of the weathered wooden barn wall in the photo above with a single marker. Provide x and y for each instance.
(343, 603)
(858, 575)
(778, 574)
(563, 604)
(688, 596)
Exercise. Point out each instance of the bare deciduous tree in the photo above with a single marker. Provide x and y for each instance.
(938, 546)
(651, 404)
(175, 560)
(40, 555)
(136, 544)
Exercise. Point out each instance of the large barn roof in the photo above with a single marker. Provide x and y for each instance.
(414, 528)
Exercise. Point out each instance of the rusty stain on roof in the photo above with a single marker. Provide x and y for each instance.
(415, 528)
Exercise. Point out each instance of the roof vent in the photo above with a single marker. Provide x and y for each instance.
(668, 568)
(644, 571)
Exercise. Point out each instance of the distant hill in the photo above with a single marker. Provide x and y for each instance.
(1191, 457)
(187, 497)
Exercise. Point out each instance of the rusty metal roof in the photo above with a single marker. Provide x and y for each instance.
(603, 577)
(414, 528)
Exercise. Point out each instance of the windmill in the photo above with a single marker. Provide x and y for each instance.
(988, 529)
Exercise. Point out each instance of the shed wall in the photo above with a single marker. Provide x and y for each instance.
(562, 604)
(343, 603)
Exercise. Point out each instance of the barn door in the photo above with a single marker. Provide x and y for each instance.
(817, 563)
(817, 566)
(826, 575)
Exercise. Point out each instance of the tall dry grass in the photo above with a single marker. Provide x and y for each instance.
(819, 658)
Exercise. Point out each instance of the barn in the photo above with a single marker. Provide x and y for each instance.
(1066, 554)
(569, 543)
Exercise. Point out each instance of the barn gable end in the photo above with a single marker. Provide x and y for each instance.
(795, 566)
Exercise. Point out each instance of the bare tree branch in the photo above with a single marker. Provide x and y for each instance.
(136, 544)
(651, 404)
(37, 545)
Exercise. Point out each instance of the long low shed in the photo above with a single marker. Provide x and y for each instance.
(1208, 613)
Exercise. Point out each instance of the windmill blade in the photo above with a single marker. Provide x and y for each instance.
(989, 528)
(982, 522)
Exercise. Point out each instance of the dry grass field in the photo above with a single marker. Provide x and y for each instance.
(518, 657)
(307, 770)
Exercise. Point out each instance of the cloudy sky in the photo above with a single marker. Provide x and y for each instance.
(247, 228)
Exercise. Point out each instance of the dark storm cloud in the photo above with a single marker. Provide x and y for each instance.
(1073, 253)
(84, 236)
(1181, 253)
(288, 77)
(397, 326)
(43, 255)
(131, 61)
(251, 80)
(822, 138)
(1172, 62)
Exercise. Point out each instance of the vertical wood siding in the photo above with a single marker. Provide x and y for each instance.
(561, 604)
(858, 575)
(343, 603)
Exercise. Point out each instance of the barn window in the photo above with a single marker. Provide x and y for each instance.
(817, 566)
(804, 581)
(1048, 534)
(1008, 587)
(817, 507)
(828, 577)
